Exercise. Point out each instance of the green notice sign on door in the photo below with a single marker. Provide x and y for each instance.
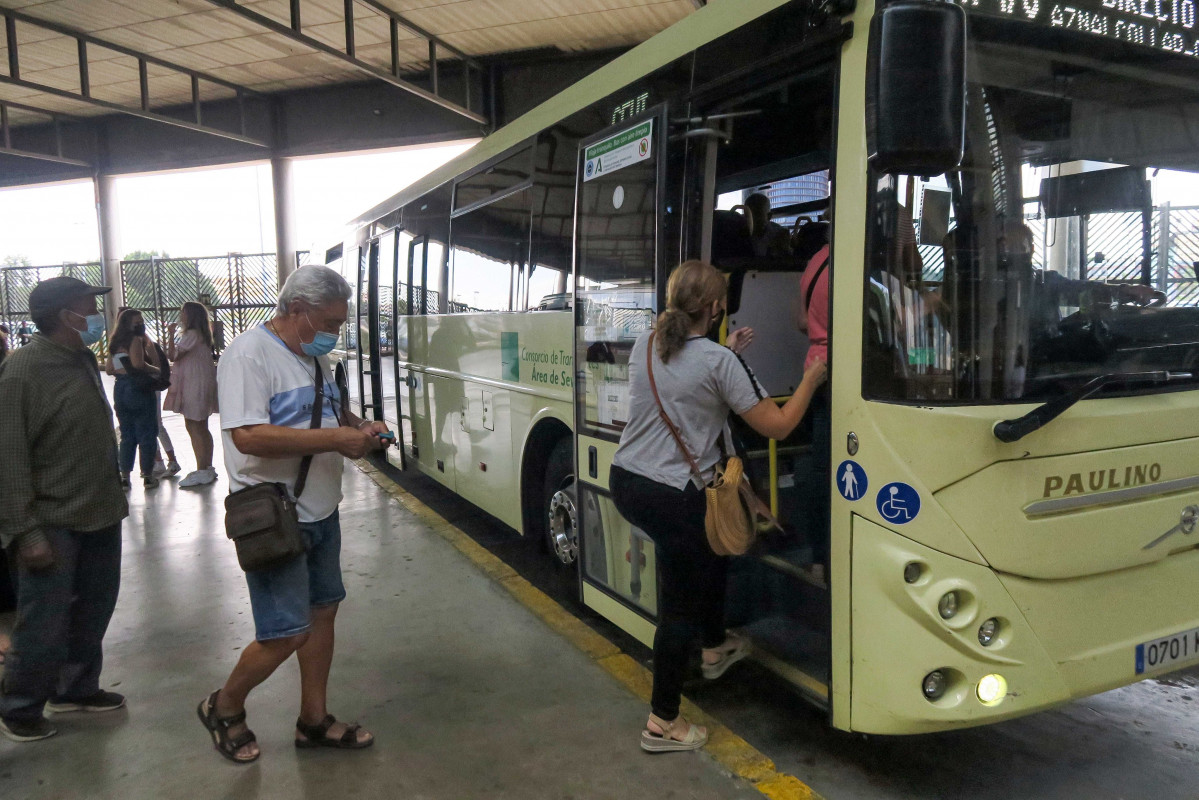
(619, 151)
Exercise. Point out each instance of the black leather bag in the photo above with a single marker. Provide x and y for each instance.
(262, 520)
(144, 381)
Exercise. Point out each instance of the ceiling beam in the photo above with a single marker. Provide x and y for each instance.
(133, 111)
(294, 33)
(73, 162)
(6, 147)
(84, 95)
(403, 22)
(79, 35)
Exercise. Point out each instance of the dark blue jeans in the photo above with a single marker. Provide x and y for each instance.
(62, 616)
(138, 414)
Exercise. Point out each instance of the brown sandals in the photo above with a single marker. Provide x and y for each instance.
(315, 735)
(218, 727)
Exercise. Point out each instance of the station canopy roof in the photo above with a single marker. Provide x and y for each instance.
(141, 56)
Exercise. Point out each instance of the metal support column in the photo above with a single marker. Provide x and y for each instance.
(281, 182)
(110, 243)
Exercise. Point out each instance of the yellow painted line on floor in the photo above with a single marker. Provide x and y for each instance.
(728, 749)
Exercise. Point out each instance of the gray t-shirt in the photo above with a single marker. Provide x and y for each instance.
(700, 385)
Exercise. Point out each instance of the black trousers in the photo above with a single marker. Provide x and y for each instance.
(691, 578)
(818, 469)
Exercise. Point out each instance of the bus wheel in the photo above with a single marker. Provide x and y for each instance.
(561, 514)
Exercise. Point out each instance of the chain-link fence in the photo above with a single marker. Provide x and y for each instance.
(240, 289)
(17, 282)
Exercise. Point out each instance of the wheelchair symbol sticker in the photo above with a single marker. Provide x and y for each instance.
(851, 480)
(898, 503)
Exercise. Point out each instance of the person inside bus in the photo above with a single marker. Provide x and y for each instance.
(698, 382)
(812, 312)
(768, 238)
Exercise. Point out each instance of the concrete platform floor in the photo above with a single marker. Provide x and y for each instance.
(468, 693)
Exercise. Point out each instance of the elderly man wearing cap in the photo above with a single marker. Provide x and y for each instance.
(60, 512)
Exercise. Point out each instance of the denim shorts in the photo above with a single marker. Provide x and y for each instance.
(281, 598)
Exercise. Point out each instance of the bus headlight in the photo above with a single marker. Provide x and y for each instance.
(987, 631)
(935, 684)
(992, 689)
(948, 607)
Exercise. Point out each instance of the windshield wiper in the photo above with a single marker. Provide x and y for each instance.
(1013, 430)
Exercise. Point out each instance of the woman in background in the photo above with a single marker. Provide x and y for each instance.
(193, 387)
(136, 406)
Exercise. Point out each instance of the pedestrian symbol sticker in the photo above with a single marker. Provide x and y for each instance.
(851, 480)
(898, 503)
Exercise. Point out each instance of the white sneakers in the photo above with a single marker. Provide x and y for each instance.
(162, 470)
(200, 477)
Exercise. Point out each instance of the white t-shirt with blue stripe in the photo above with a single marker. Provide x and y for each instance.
(261, 381)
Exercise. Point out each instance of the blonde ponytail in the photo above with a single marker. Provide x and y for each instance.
(692, 287)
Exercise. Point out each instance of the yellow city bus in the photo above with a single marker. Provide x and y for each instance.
(995, 513)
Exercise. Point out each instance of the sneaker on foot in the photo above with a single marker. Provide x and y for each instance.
(173, 468)
(125, 484)
(20, 730)
(160, 469)
(149, 482)
(198, 478)
(100, 701)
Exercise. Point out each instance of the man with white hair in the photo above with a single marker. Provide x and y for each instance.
(266, 390)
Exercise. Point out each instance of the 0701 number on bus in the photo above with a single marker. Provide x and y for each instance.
(1168, 650)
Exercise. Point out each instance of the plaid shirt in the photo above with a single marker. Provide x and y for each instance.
(58, 460)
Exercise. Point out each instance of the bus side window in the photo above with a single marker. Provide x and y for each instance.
(489, 252)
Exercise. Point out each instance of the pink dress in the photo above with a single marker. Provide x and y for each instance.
(193, 379)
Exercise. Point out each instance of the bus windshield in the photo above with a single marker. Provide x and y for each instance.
(1064, 248)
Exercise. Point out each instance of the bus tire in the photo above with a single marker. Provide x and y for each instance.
(559, 506)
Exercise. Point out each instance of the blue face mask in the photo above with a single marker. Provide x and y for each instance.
(322, 342)
(95, 328)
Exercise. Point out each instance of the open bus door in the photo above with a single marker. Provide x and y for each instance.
(370, 398)
(618, 267)
(778, 594)
(413, 407)
(387, 324)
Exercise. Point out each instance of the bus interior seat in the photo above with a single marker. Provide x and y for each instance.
(807, 238)
(730, 236)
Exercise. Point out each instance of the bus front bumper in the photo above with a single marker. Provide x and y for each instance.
(1054, 640)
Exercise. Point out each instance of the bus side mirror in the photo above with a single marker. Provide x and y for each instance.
(916, 87)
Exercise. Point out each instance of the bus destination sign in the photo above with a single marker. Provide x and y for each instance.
(1167, 25)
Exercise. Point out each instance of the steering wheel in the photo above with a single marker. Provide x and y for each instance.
(1138, 294)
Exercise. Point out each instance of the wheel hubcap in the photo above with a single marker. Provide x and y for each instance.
(564, 525)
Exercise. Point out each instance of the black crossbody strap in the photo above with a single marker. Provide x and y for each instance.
(318, 407)
(807, 306)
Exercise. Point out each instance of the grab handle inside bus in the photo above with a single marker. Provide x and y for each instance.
(916, 87)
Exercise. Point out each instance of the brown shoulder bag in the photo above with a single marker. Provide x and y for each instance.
(262, 520)
(734, 512)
